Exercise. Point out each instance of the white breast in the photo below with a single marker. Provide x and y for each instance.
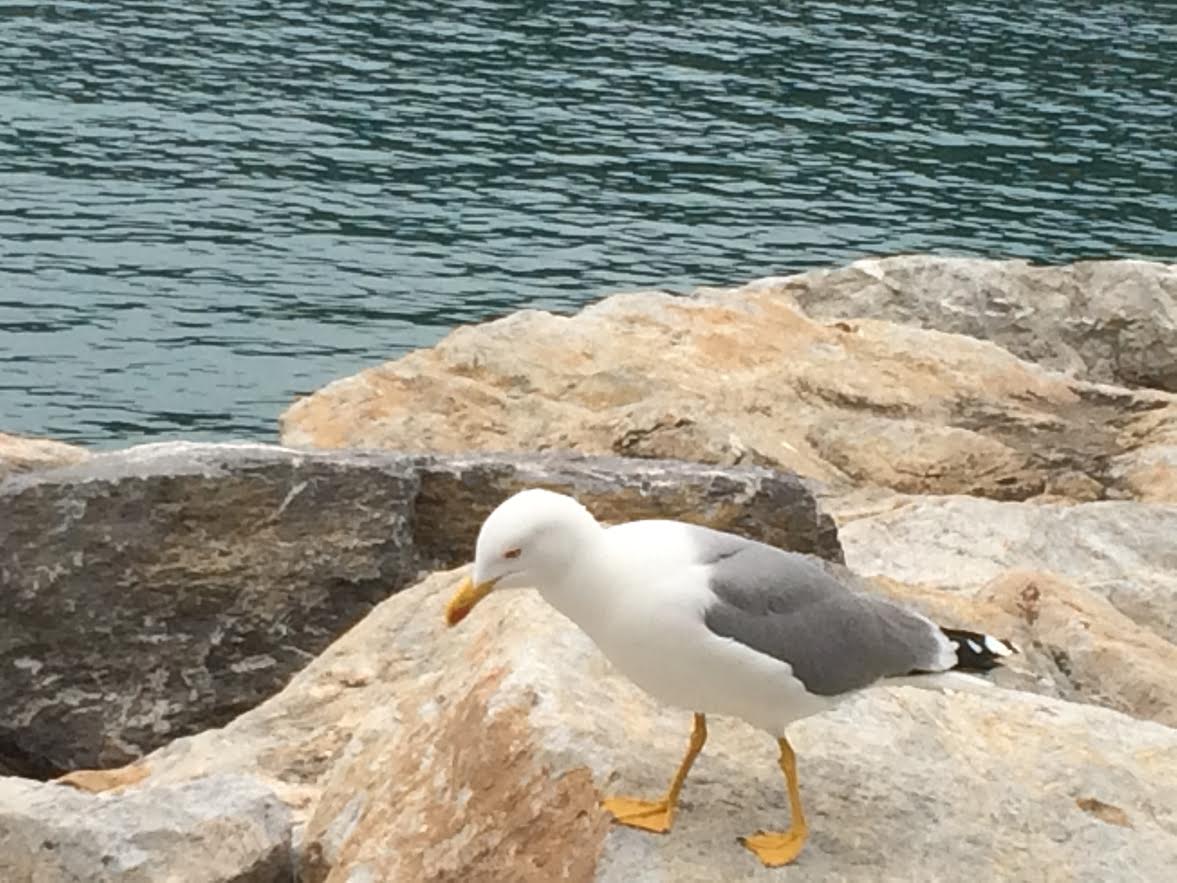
(646, 615)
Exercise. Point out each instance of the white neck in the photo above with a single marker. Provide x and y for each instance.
(580, 589)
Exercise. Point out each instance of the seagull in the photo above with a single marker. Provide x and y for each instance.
(718, 624)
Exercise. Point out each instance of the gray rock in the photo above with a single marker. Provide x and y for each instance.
(215, 829)
(158, 591)
(1123, 551)
(458, 492)
(167, 588)
(1109, 321)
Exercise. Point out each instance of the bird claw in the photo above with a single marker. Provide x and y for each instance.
(776, 849)
(654, 816)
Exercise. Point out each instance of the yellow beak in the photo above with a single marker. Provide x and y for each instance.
(465, 598)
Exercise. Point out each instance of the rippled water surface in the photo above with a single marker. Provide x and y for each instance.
(208, 207)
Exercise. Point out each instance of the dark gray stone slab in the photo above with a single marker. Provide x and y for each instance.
(163, 590)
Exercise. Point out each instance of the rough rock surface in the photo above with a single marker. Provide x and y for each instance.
(458, 492)
(415, 752)
(1073, 643)
(182, 584)
(744, 376)
(19, 454)
(1109, 321)
(1124, 552)
(218, 829)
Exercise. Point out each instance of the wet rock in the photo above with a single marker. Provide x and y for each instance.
(458, 492)
(164, 589)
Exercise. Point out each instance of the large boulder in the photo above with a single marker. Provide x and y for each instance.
(458, 492)
(19, 454)
(164, 589)
(217, 829)
(1124, 552)
(158, 591)
(1109, 321)
(412, 752)
(745, 376)
(1073, 643)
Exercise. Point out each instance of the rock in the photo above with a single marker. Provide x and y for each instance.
(218, 829)
(1108, 321)
(1148, 471)
(19, 454)
(1073, 643)
(1121, 551)
(744, 376)
(416, 753)
(182, 584)
(913, 457)
(158, 591)
(458, 492)
(1088, 645)
(98, 781)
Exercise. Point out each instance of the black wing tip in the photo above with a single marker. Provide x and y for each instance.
(977, 651)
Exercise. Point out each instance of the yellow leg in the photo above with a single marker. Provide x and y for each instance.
(657, 815)
(776, 849)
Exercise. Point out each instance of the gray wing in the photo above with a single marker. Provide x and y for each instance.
(803, 611)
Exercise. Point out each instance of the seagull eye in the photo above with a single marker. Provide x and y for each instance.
(512, 553)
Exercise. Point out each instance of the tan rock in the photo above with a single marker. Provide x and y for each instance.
(1149, 474)
(483, 803)
(743, 376)
(916, 458)
(1148, 468)
(414, 752)
(19, 454)
(104, 781)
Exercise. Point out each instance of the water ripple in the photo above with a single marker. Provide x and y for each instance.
(210, 208)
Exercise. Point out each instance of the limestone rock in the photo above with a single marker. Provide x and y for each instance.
(1148, 469)
(415, 752)
(1088, 645)
(19, 454)
(218, 829)
(1108, 321)
(155, 592)
(1073, 644)
(744, 376)
(1121, 551)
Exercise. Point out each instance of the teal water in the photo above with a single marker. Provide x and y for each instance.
(207, 208)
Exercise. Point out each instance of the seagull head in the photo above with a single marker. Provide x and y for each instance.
(530, 540)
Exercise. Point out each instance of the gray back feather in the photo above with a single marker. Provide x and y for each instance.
(806, 612)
